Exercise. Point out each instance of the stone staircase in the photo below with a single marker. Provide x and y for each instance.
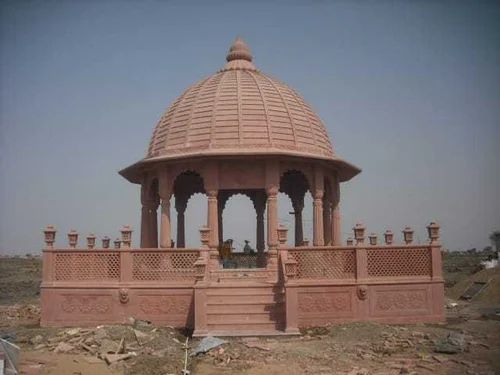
(243, 302)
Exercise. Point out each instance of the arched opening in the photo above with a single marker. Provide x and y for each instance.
(188, 188)
(195, 216)
(239, 224)
(295, 185)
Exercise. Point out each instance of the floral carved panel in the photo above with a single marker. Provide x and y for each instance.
(86, 304)
(325, 302)
(161, 304)
(400, 301)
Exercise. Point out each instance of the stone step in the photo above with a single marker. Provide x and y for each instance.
(242, 333)
(243, 300)
(254, 291)
(245, 308)
(232, 329)
(238, 319)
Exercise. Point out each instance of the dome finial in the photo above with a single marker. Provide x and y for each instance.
(239, 51)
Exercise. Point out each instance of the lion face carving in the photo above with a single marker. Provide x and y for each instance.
(123, 295)
(362, 292)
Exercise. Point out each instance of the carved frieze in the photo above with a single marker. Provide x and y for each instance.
(85, 304)
(324, 302)
(401, 300)
(175, 304)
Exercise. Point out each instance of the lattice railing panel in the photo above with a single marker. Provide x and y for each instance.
(324, 264)
(387, 262)
(165, 265)
(87, 266)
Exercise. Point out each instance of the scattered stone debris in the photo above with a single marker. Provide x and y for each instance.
(112, 358)
(118, 346)
(63, 347)
(208, 343)
(258, 345)
(453, 343)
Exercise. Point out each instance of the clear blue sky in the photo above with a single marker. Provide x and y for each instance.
(408, 90)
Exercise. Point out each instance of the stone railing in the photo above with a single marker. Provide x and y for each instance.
(121, 264)
(126, 265)
(361, 262)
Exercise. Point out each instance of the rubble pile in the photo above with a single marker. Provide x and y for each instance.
(19, 314)
(117, 345)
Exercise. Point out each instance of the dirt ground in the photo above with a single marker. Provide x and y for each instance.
(468, 343)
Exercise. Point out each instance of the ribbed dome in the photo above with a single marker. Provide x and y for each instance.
(239, 110)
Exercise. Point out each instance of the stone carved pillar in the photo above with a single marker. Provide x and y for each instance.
(153, 226)
(220, 224)
(259, 202)
(165, 231)
(336, 227)
(318, 193)
(149, 224)
(165, 193)
(221, 202)
(298, 207)
(327, 221)
(318, 218)
(149, 219)
(181, 232)
(272, 178)
(180, 206)
(260, 240)
(272, 218)
(212, 218)
(144, 227)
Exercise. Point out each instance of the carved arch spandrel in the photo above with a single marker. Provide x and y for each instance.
(305, 168)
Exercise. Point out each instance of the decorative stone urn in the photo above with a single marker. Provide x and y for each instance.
(433, 232)
(350, 241)
(91, 241)
(282, 234)
(408, 235)
(372, 238)
(205, 236)
(105, 242)
(126, 236)
(117, 243)
(389, 237)
(73, 238)
(359, 233)
(50, 236)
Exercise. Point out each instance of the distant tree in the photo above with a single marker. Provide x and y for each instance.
(495, 239)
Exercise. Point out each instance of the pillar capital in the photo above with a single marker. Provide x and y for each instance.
(272, 191)
(212, 193)
(318, 194)
(150, 203)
